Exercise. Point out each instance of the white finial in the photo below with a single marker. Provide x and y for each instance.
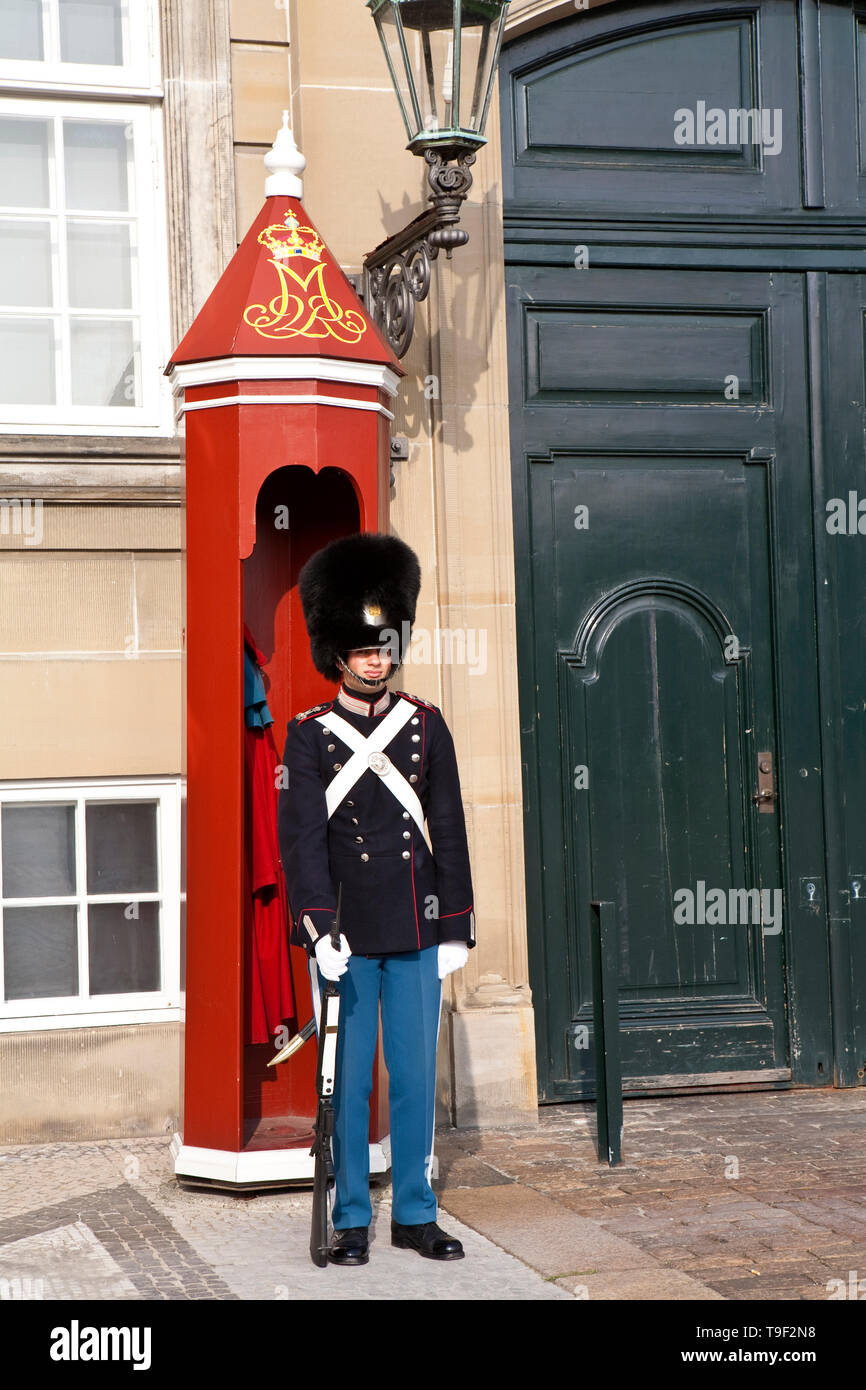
(285, 164)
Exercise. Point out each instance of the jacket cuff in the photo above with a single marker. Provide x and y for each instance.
(457, 926)
(312, 924)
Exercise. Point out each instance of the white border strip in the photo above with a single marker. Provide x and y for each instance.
(286, 400)
(262, 1165)
(185, 374)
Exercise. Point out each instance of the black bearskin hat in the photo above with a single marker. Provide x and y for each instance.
(359, 591)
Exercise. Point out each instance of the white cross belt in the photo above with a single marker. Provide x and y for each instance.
(367, 754)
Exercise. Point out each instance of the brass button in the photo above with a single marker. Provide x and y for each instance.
(405, 815)
(413, 777)
(365, 857)
(359, 839)
(354, 820)
(416, 738)
(406, 854)
(332, 747)
(416, 757)
(414, 721)
(324, 730)
(407, 834)
(350, 803)
(337, 766)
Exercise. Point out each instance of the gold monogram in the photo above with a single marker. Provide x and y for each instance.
(311, 314)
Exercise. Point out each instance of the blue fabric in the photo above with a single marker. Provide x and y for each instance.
(410, 991)
(256, 712)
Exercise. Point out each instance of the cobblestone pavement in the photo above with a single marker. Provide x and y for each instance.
(721, 1197)
(108, 1220)
(757, 1195)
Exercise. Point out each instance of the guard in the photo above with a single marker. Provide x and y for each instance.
(365, 771)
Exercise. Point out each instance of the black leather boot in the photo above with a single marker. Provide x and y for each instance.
(349, 1247)
(428, 1239)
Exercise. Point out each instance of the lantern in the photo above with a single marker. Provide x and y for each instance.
(442, 57)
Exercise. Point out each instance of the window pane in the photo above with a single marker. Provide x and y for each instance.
(96, 158)
(121, 847)
(388, 33)
(104, 367)
(25, 263)
(40, 949)
(91, 31)
(27, 362)
(24, 163)
(38, 846)
(476, 52)
(21, 29)
(124, 951)
(100, 266)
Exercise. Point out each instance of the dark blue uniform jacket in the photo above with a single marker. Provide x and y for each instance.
(397, 896)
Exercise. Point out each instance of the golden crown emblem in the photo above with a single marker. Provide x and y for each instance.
(285, 240)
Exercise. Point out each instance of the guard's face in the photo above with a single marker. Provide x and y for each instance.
(372, 662)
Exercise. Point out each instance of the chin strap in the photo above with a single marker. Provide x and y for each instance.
(382, 681)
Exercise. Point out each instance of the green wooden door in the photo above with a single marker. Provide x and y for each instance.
(668, 393)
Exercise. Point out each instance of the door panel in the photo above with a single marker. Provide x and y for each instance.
(668, 524)
(595, 122)
(841, 41)
(839, 342)
(666, 728)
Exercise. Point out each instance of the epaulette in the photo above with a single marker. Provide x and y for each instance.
(418, 700)
(308, 713)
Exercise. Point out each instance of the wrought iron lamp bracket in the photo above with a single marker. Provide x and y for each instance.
(397, 273)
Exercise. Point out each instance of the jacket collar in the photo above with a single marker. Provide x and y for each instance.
(361, 704)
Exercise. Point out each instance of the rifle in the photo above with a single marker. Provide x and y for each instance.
(329, 1021)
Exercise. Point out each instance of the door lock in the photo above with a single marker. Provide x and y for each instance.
(765, 797)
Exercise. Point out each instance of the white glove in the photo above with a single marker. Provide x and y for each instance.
(332, 963)
(453, 955)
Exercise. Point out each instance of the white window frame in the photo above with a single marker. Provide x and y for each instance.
(71, 1011)
(147, 136)
(141, 73)
(42, 90)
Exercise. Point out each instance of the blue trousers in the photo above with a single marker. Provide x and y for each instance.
(410, 992)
